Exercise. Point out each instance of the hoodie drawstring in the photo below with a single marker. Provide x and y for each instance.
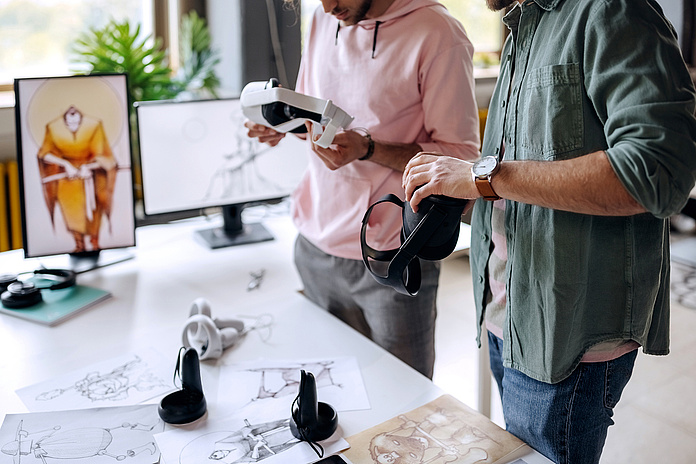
(374, 37)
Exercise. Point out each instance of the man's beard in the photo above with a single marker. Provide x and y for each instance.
(497, 5)
(362, 11)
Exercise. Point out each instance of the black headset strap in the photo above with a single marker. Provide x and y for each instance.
(368, 251)
(401, 259)
(409, 283)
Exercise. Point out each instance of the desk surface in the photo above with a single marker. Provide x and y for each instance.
(152, 294)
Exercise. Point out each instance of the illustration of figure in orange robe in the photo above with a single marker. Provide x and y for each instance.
(78, 173)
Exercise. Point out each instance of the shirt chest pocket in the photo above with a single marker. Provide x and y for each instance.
(551, 109)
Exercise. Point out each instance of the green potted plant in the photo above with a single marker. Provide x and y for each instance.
(119, 47)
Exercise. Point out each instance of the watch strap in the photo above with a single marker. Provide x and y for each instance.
(485, 188)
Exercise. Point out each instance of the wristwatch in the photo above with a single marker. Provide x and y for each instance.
(482, 171)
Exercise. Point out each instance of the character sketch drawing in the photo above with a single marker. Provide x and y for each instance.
(442, 431)
(438, 439)
(78, 443)
(238, 173)
(78, 174)
(251, 443)
(112, 386)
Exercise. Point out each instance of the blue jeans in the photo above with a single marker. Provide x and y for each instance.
(567, 421)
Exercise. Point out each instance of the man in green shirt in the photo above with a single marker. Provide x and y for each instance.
(589, 148)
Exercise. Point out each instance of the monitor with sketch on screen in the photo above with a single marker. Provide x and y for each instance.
(196, 155)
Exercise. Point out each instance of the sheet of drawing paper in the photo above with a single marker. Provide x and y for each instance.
(263, 383)
(444, 430)
(124, 380)
(240, 439)
(94, 436)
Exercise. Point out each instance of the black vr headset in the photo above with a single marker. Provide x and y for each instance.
(284, 110)
(429, 234)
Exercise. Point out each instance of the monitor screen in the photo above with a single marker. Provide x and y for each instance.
(74, 158)
(196, 155)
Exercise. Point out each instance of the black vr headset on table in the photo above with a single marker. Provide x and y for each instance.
(285, 110)
(429, 234)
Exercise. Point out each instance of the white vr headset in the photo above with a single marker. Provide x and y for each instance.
(285, 110)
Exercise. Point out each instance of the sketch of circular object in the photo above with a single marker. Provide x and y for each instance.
(194, 130)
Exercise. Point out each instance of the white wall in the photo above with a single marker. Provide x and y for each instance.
(223, 17)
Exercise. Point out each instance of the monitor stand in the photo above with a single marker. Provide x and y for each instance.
(87, 260)
(233, 231)
(90, 260)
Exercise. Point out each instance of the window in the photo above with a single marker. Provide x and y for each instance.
(483, 26)
(36, 35)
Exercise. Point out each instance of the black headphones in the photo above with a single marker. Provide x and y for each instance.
(429, 234)
(310, 420)
(17, 294)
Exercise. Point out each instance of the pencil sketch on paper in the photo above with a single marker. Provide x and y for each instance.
(443, 431)
(276, 382)
(126, 380)
(79, 435)
(251, 443)
(239, 439)
(339, 382)
(111, 386)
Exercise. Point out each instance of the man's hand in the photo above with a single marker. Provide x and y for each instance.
(263, 133)
(434, 174)
(346, 147)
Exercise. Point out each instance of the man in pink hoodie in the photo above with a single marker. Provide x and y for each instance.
(403, 69)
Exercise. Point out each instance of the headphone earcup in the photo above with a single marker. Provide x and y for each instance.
(6, 280)
(21, 295)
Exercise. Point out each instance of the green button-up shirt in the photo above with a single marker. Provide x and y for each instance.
(578, 76)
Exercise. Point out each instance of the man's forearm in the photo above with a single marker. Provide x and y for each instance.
(586, 185)
(394, 155)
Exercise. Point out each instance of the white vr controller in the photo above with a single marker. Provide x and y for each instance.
(207, 335)
(285, 110)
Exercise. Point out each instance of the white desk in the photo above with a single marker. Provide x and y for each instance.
(152, 294)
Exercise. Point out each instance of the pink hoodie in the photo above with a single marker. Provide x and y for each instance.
(418, 87)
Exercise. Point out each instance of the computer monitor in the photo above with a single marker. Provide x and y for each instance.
(74, 159)
(196, 155)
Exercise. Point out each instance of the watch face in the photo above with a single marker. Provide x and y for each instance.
(484, 166)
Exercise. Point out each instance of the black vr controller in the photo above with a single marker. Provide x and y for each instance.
(429, 234)
(187, 404)
(311, 420)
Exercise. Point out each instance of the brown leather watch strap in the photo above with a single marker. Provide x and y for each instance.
(486, 189)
